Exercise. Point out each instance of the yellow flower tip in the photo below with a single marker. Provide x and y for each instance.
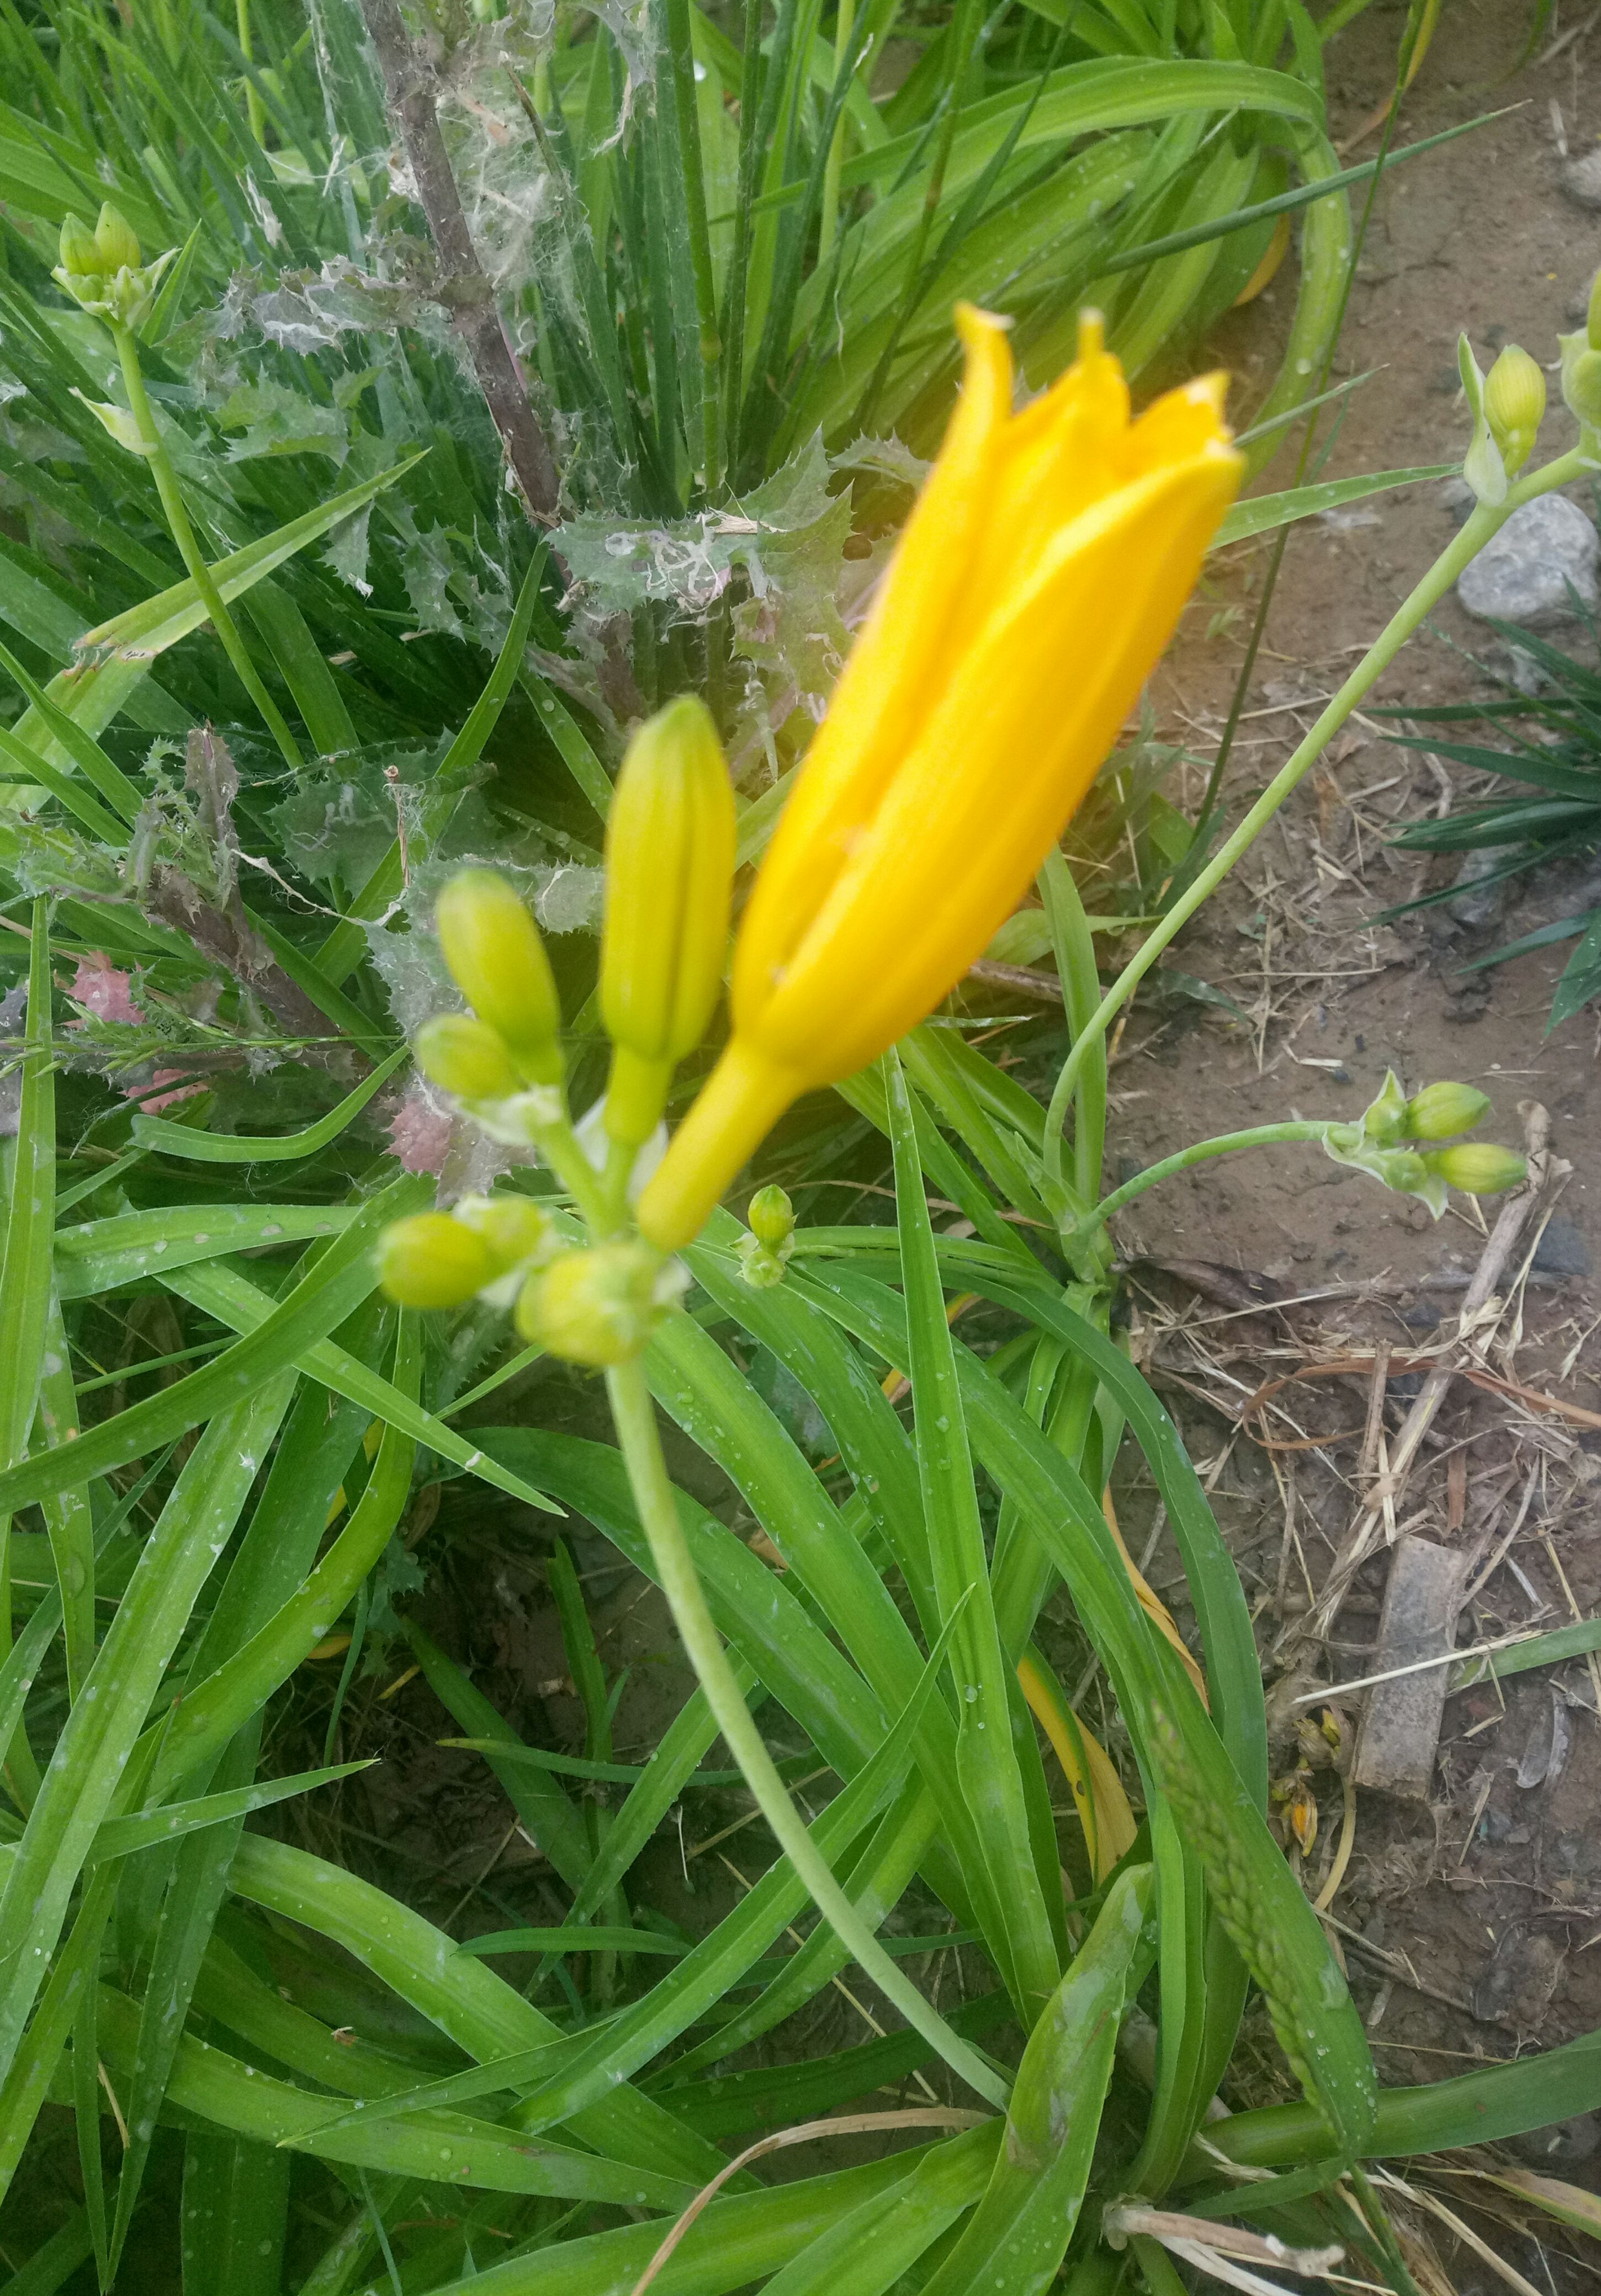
(1092, 336)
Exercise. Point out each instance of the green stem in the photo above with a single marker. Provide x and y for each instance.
(1075, 953)
(635, 1415)
(559, 1146)
(254, 108)
(189, 549)
(1483, 523)
(828, 222)
(1259, 1136)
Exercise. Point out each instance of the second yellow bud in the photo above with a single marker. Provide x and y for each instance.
(670, 842)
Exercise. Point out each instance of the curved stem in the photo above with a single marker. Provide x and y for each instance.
(1483, 523)
(1201, 1152)
(635, 1415)
(189, 549)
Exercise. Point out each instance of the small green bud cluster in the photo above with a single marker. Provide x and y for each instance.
(485, 1246)
(1381, 1144)
(764, 1253)
(599, 1308)
(102, 269)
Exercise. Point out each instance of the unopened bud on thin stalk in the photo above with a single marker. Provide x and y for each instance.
(1477, 1167)
(465, 1057)
(669, 875)
(1440, 1111)
(771, 1217)
(431, 1261)
(116, 239)
(1515, 405)
(1384, 1119)
(597, 1307)
(497, 960)
(80, 249)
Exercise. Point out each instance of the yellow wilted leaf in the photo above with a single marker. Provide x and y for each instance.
(1097, 1790)
(1153, 1607)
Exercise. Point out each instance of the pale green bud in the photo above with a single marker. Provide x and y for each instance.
(497, 960)
(1581, 377)
(516, 1231)
(671, 837)
(1384, 1119)
(80, 255)
(115, 239)
(1593, 317)
(597, 1307)
(431, 1261)
(771, 1217)
(1440, 1111)
(465, 1057)
(1515, 405)
(1477, 1167)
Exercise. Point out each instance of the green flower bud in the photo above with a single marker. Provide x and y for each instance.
(1477, 1167)
(516, 1229)
(771, 1217)
(1384, 1119)
(431, 1261)
(114, 238)
(465, 1057)
(497, 960)
(597, 1307)
(670, 840)
(1581, 377)
(1515, 405)
(80, 256)
(1441, 1111)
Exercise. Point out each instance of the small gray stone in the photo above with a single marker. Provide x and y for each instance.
(1522, 574)
(1561, 1250)
(1563, 2145)
(1478, 905)
(1580, 179)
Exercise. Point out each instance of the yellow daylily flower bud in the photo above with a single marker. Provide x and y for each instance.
(497, 960)
(80, 255)
(431, 1261)
(669, 877)
(597, 1307)
(1441, 1111)
(514, 1228)
(1515, 405)
(770, 1217)
(115, 238)
(1038, 579)
(1477, 1167)
(465, 1057)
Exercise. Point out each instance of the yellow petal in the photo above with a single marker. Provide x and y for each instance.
(1034, 704)
(896, 667)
